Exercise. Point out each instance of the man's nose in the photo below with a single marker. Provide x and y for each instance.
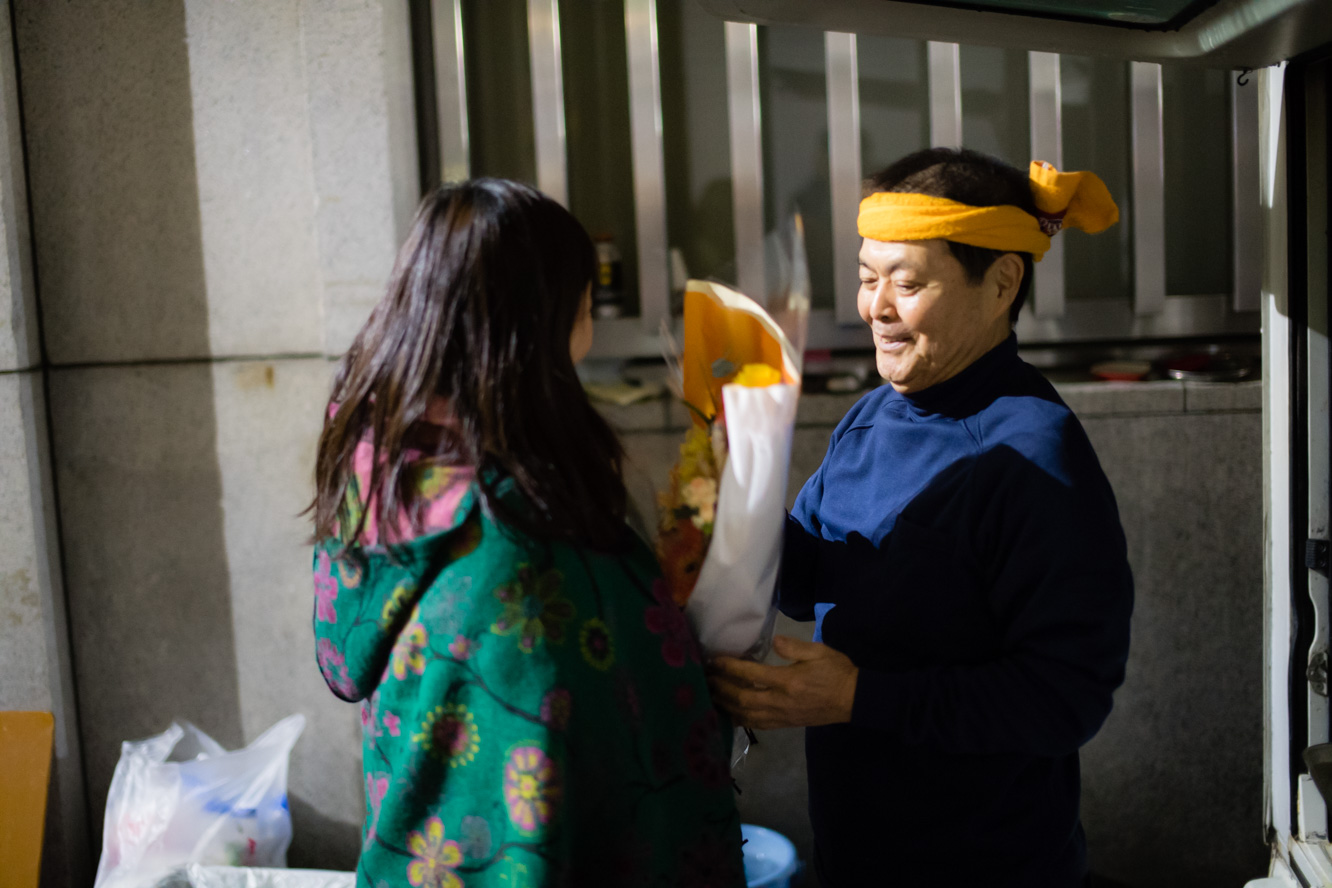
(883, 305)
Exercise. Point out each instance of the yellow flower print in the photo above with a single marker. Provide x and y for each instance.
(449, 734)
(402, 593)
(532, 788)
(533, 608)
(595, 642)
(434, 858)
(409, 651)
(433, 479)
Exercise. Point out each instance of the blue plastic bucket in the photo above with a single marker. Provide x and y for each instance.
(770, 858)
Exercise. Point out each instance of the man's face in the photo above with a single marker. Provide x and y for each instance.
(929, 323)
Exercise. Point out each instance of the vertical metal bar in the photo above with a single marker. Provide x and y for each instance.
(543, 43)
(1047, 143)
(742, 90)
(640, 29)
(945, 70)
(1276, 453)
(1245, 214)
(450, 89)
(844, 171)
(1148, 188)
(1313, 810)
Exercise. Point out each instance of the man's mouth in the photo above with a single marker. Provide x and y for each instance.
(890, 342)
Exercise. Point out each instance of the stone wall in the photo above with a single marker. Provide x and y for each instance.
(217, 194)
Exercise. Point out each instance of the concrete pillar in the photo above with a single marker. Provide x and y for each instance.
(218, 194)
(34, 651)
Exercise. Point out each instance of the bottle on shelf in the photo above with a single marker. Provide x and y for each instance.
(608, 295)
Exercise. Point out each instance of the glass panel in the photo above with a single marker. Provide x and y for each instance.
(894, 100)
(1197, 180)
(596, 120)
(1096, 132)
(699, 221)
(793, 81)
(1137, 12)
(996, 108)
(499, 89)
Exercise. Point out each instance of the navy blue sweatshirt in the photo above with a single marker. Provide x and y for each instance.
(963, 547)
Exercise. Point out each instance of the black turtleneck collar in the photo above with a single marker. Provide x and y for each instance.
(972, 389)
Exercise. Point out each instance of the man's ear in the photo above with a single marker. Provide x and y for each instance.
(1006, 275)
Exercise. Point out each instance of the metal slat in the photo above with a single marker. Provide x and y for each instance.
(844, 170)
(1245, 215)
(640, 28)
(743, 109)
(1149, 259)
(945, 71)
(1047, 143)
(450, 89)
(543, 43)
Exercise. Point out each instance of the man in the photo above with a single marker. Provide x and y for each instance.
(960, 552)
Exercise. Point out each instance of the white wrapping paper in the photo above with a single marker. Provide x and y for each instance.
(731, 605)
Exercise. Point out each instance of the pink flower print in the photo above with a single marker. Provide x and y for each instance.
(370, 716)
(711, 862)
(326, 590)
(668, 621)
(627, 695)
(409, 651)
(556, 707)
(434, 858)
(532, 788)
(704, 754)
(462, 648)
(393, 724)
(334, 668)
(684, 696)
(376, 787)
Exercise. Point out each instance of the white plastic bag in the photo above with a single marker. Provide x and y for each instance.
(731, 608)
(180, 798)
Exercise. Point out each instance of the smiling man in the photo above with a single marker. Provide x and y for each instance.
(960, 552)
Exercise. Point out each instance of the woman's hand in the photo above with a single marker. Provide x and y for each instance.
(818, 688)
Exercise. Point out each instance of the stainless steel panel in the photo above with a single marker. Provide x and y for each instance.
(743, 108)
(1246, 215)
(543, 43)
(640, 27)
(1104, 319)
(945, 67)
(1229, 34)
(1149, 267)
(844, 170)
(1047, 144)
(450, 89)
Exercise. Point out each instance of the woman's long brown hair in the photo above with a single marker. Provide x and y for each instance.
(479, 310)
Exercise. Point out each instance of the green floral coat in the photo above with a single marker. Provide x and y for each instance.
(533, 714)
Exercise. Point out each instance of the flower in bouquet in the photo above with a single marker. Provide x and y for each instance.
(688, 507)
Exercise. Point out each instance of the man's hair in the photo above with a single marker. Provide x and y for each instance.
(972, 178)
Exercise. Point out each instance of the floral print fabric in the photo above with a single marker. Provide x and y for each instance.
(532, 714)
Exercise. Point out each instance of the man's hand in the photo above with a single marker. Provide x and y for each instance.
(818, 688)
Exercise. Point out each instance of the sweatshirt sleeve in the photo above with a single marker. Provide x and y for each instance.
(1054, 568)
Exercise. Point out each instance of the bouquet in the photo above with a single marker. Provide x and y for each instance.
(722, 515)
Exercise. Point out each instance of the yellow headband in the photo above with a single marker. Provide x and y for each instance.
(1065, 200)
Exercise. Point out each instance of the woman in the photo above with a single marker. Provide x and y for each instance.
(533, 706)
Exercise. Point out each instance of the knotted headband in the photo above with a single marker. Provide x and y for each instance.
(1064, 200)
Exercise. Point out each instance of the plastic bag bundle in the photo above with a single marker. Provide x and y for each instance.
(180, 798)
